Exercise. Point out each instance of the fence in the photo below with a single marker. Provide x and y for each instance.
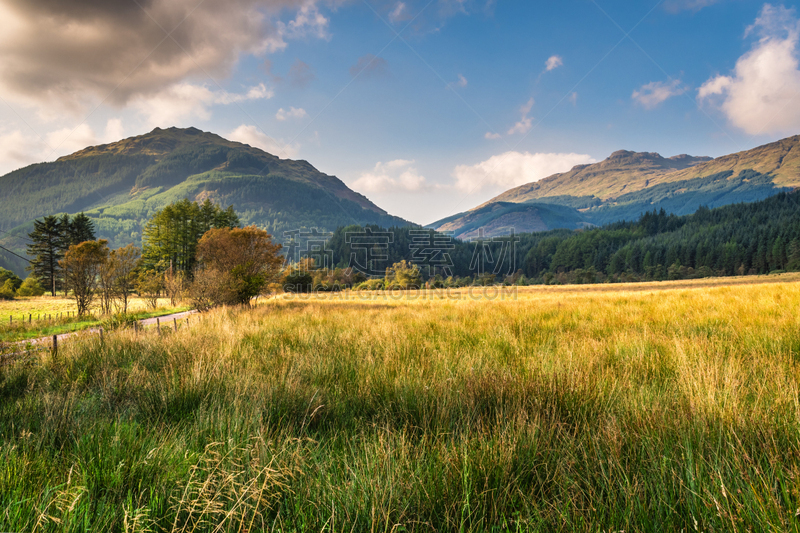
(29, 347)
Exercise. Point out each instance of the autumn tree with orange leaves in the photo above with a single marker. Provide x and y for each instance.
(241, 261)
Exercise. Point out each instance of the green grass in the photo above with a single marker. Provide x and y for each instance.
(566, 410)
(14, 331)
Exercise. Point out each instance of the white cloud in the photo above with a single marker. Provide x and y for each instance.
(395, 176)
(293, 112)
(573, 98)
(114, 131)
(69, 140)
(553, 62)
(399, 13)
(512, 169)
(18, 150)
(492, 136)
(254, 137)
(188, 101)
(653, 94)
(462, 81)
(525, 123)
(762, 95)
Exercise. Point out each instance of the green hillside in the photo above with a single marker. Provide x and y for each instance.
(120, 185)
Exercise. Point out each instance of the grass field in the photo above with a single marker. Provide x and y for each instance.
(652, 407)
(30, 318)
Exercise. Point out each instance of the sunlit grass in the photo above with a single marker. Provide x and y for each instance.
(31, 318)
(583, 409)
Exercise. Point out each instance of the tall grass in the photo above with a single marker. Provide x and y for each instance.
(582, 411)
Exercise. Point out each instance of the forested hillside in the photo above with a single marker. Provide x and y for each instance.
(739, 239)
(120, 185)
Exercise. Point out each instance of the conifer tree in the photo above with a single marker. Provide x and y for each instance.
(47, 249)
(80, 229)
(170, 238)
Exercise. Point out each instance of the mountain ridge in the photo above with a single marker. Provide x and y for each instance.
(627, 184)
(121, 184)
(780, 159)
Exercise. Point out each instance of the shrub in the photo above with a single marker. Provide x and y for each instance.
(30, 287)
(7, 291)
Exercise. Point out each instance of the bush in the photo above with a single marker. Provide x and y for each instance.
(7, 275)
(118, 321)
(298, 281)
(212, 288)
(370, 285)
(30, 287)
(7, 291)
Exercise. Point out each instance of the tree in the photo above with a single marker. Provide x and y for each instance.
(81, 266)
(6, 275)
(149, 286)
(80, 229)
(174, 285)
(7, 291)
(247, 255)
(403, 275)
(118, 277)
(30, 287)
(47, 250)
(126, 261)
(170, 237)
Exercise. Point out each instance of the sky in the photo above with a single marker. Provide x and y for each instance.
(426, 107)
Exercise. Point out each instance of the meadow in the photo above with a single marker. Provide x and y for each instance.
(647, 407)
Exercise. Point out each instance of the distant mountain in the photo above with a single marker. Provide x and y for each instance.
(628, 184)
(621, 173)
(120, 185)
(501, 218)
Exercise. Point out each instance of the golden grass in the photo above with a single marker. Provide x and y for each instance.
(40, 305)
(649, 407)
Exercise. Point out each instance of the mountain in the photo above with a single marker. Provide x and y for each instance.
(120, 185)
(628, 184)
(500, 218)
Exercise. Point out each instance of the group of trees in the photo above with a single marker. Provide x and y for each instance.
(11, 285)
(170, 237)
(188, 248)
(198, 250)
(50, 239)
(740, 239)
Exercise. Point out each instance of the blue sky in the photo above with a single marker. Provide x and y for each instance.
(428, 108)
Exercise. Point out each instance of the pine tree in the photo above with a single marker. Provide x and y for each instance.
(81, 229)
(47, 250)
(170, 238)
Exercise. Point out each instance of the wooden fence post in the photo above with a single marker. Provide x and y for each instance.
(101, 336)
(55, 346)
(158, 325)
(175, 323)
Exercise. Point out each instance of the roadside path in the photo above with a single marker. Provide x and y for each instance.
(46, 340)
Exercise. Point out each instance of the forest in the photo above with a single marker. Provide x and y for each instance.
(738, 239)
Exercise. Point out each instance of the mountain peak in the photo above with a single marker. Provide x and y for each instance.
(625, 171)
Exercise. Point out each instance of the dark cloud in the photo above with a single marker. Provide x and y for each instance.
(300, 74)
(369, 66)
(74, 50)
